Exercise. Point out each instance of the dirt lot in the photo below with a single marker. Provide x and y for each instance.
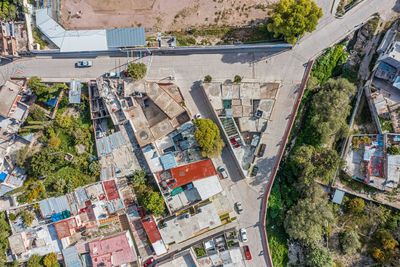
(161, 15)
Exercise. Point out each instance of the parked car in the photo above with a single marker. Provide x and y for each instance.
(254, 171)
(197, 116)
(243, 235)
(261, 151)
(223, 172)
(149, 262)
(247, 254)
(239, 207)
(83, 64)
(111, 74)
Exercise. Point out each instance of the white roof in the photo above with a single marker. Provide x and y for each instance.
(393, 175)
(159, 247)
(208, 187)
(338, 196)
(70, 41)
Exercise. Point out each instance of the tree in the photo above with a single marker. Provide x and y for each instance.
(319, 257)
(139, 177)
(54, 142)
(207, 79)
(356, 205)
(293, 18)
(154, 203)
(329, 110)
(208, 137)
(308, 219)
(349, 241)
(137, 70)
(50, 260)
(27, 217)
(393, 150)
(237, 79)
(5, 232)
(34, 261)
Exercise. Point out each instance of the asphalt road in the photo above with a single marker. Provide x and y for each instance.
(189, 69)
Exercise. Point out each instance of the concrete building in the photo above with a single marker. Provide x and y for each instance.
(116, 250)
(243, 110)
(8, 41)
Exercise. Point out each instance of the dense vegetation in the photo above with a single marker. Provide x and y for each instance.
(293, 18)
(65, 157)
(50, 260)
(10, 9)
(137, 70)
(208, 137)
(299, 210)
(147, 196)
(5, 232)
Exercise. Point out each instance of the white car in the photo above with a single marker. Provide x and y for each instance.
(223, 172)
(243, 234)
(84, 64)
(197, 116)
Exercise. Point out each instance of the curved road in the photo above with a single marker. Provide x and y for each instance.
(265, 66)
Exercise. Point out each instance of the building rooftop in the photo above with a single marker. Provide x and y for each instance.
(8, 98)
(150, 227)
(185, 226)
(111, 189)
(53, 205)
(75, 89)
(71, 257)
(192, 172)
(112, 251)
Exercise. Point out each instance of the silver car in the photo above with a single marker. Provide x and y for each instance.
(84, 64)
(243, 235)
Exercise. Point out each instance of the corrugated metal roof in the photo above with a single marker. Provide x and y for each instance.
(75, 92)
(53, 205)
(125, 37)
(338, 196)
(168, 161)
(71, 257)
(4, 189)
(107, 144)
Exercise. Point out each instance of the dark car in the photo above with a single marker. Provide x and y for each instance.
(261, 151)
(247, 253)
(254, 171)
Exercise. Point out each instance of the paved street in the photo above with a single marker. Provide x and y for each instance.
(189, 70)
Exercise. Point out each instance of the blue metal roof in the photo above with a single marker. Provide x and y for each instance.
(397, 82)
(168, 161)
(53, 205)
(125, 37)
(338, 196)
(71, 257)
(3, 176)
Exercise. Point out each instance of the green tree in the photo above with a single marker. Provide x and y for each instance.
(208, 137)
(50, 260)
(308, 219)
(207, 79)
(237, 79)
(350, 242)
(154, 203)
(393, 150)
(137, 70)
(34, 261)
(329, 110)
(293, 18)
(319, 257)
(54, 142)
(326, 65)
(139, 177)
(5, 232)
(27, 217)
(356, 205)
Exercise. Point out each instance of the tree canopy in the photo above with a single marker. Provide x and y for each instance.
(308, 219)
(154, 203)
(319, 257)
(34, 261)
(329, 110)
(50, 260)
(137, 70)
(208, 137)
(293, 18)
(350, 241)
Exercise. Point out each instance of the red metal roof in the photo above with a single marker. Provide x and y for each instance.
(65, 228)
(111, 189)
(192, 172)
(151, 229)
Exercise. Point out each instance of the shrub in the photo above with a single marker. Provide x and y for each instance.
(356, 205)
(207, 78)
(237, 79)
(137, 70)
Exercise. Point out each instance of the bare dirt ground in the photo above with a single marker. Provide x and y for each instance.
(161, 15)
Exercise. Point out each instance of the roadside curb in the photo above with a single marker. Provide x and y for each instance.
(263, 213)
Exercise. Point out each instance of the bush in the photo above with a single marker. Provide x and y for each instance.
(393, 150)
(137, 70)
(50, 260)
(237, 79)
(325, 65)
(208, 137)
(350, 242)
(34, 261)
(207, 79)
(356, 205)
(27, 217)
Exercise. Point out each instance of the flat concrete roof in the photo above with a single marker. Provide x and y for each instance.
(179, 229)
(8, 94)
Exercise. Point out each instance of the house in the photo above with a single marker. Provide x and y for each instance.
(150, 227)
(8, 41)
(112, 251)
